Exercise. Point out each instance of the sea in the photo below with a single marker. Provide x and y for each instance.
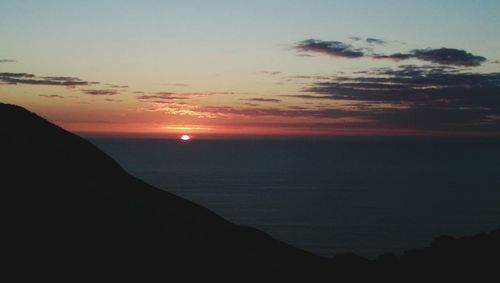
(360, 195)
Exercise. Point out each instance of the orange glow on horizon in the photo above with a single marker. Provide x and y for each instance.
(236, 131)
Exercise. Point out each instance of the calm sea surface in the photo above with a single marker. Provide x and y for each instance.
(361, 195)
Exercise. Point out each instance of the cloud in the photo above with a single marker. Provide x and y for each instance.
(162, 96)
(448, 56)
(117, 86)
(306, 96)
(251, 110)
(407, 98)
(229, 111)
(442, 56)
(410, 82)
(376, 41)
(221, 93)
(270, 73)
(100, 92)
(196, 94)
(331, 48)
(159, 96)
(30, 79)
(394, 57)
(113, 100)
(50, 96)
(7, 61)
(430, 97)
(260, 99)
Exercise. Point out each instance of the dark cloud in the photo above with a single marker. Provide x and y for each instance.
(409, 82)
(306, 96)
(50, 96)
(394, 57)
(448, 56)
(430, 96)
(7, 61)
(376, 41)
(331, 48)
(260, 99)
(443, 56)
(100, 92)
(355, 38)
(25, 78)
(316, 77)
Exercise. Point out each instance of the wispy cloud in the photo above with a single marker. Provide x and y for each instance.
(7, 61)
(101, 92)
(270, 73)
(113, 100)
(162, 96)
(261, 99)
(229, 111)
(165, 95)
(117, 86)
(179, 85)
(51, 96)
(31, 79)
(306, 96)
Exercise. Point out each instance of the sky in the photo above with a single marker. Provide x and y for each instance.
(255, 68)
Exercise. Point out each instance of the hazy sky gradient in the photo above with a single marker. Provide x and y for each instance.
(234, 67)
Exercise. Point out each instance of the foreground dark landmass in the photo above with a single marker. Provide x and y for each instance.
(68, 208)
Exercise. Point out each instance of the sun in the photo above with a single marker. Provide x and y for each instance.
(185, 137)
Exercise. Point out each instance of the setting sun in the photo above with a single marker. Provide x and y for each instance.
(185, 137)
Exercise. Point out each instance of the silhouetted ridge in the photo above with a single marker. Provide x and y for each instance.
(68, 208)
(65, 197)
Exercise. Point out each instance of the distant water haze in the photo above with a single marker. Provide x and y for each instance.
(363, 195)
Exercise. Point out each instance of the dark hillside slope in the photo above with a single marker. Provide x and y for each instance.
(63, 197)
(67, 208)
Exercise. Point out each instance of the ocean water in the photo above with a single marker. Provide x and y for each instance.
(346, 195)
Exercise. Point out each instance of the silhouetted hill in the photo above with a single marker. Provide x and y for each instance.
(65, 198)
(67, 208)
